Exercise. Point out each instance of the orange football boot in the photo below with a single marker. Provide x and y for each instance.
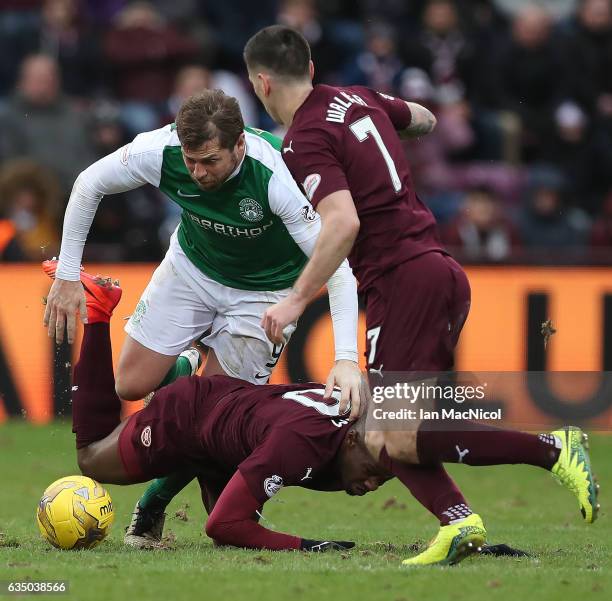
(102, 295)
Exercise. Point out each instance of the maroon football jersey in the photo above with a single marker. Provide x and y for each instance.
(276, 435)
(346, 139)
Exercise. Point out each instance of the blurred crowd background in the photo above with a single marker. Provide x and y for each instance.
(519, 169)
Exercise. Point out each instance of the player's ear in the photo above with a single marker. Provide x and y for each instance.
(265, 83)
(311, 70)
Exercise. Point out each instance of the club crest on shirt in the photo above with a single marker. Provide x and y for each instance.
(145, 437)
(250, 209)
(311, 183)
(308, 213)
(141, 309)
(272, 485)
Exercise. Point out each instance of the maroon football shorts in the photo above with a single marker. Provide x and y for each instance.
(415, 313)
(164, 437)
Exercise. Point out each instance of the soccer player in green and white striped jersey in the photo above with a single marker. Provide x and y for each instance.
(245, 233)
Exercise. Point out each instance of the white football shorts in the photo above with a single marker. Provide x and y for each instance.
(180, 304)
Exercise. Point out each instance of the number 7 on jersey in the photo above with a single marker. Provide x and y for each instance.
(364, 128)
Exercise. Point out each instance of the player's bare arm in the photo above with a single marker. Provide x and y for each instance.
(304, 226)
(422, 123)
(339, 228)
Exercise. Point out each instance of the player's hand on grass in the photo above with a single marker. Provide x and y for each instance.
(279, 316)
(346, 375)
(65, 299)
(321, 546)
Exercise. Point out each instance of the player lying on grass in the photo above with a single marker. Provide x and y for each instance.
(249, 441)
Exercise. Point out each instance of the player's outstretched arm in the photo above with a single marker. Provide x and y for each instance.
(422, 122)
(339, 228)
(304, 226)
(231, 523)
(114, 173)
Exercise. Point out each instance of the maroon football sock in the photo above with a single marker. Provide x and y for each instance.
(96, 408)
(431, 486)
(478, 444)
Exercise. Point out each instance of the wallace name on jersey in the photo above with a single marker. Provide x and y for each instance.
(341, 104)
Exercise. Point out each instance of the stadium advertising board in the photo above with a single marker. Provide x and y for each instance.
(502, 334)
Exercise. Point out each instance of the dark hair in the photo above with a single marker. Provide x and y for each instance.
(206, 115)
(282, 50)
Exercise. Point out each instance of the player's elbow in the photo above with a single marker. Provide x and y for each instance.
(432, 121)
(347, 227)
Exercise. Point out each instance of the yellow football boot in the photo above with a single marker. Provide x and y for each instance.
(573, 470)
(453, 543)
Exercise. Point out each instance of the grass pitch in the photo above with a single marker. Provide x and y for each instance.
(520, 505)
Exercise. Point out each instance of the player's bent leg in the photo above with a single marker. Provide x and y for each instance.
(170, 314)
(140, 370)
(147, 524)
(563, 452)
(101, 460)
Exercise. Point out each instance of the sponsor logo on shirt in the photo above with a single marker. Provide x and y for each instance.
(287, 149)
(308, 213)
(311, 183)
(250, 209)
(230, 230)
(145, 437)
(272, 485)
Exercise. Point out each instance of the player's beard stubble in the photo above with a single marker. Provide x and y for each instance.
(212, 182)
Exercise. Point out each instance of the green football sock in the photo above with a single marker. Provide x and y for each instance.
(182, 367)
(161, 491)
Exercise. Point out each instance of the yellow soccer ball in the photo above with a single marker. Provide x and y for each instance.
(75, 513)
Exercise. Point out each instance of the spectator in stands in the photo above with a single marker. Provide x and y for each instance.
(195, 78)
(126, 225)
(588, 57)
(379, 66)
(582, 151)
(601, 234)
(19, 25)
(64, 35)
(143, 53)
(41, 123)
(481, 231)
(10, 249)
(547, 225)
(30, 203)
(327, 53)
(437, 48)
(528, 81)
